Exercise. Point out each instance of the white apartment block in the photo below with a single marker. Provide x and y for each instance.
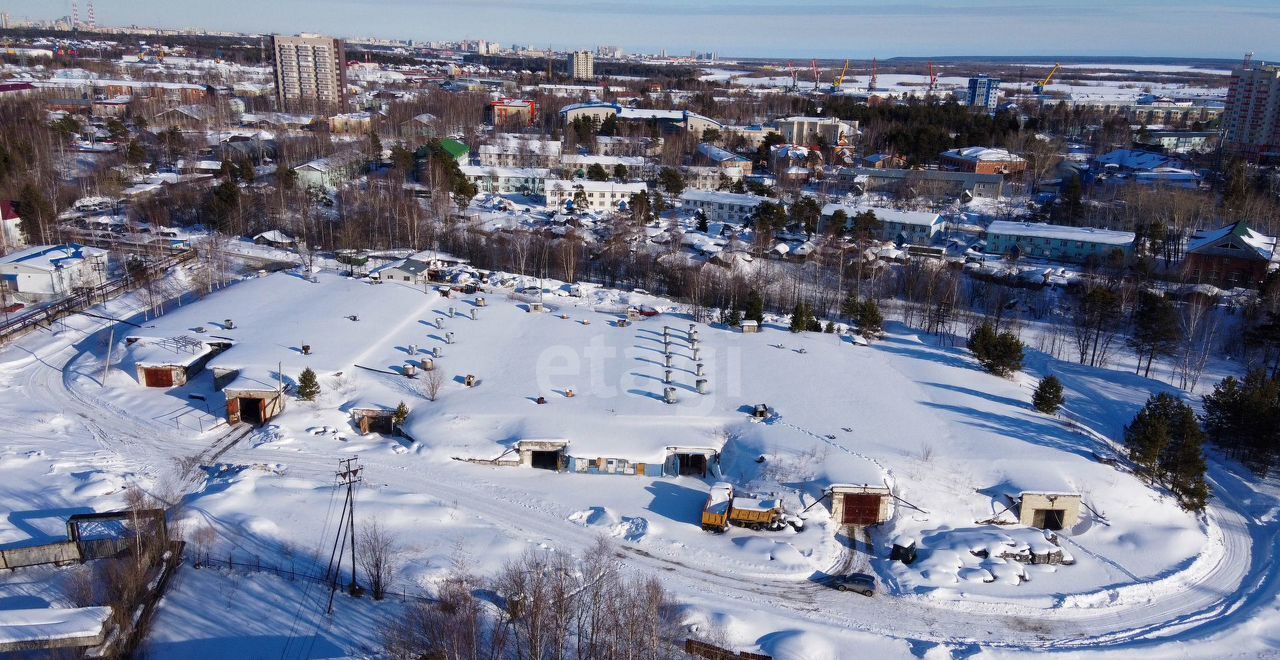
(581, 65)
(511, 150)
(801, 130)
(733, 208)
(600, 196)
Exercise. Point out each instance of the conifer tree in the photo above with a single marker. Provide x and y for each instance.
(1048, 395)
(754, 308)
(308, 385)
(399, 417)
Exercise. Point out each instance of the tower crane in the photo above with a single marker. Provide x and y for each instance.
(838, 83)
(871, 83)
(814, 65)
(933, 78)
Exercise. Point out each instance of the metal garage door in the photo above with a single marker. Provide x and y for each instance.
(861, 509)
(158, 377)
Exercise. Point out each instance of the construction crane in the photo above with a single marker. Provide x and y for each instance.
(839, 81)
(933, 78)
(871, 82)
(814, 65)
(1038, 88)
(795, 82)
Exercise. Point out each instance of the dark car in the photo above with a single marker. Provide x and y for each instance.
(859, 582)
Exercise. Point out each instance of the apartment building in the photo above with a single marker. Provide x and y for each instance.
(599, 196)
(805, 130)
(514, 150)
(581, 65)
(984, 93)
(906, 227)
(1251, 122)
(733, 208)
(1056, 242)
(310, 68)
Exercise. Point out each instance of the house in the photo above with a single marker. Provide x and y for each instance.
(617, 145)
(914, 227)
(700, 177)
(732, 208)
(418, 268)
(1230, 256)
(507, 180)
(597, 195)
(425, 125)
(883, 161)
(170, 361)
(1050, 511)
(1176, 141)
(723, 158)
(331, 171)
(53, 270)
(513, 150)
(576, 166)
(752, 135)
(186, 116)
(860, 504)
(1056, 242)
(276, 239)
(457, 150)
(11, 237)
(924, 182)
(983, 160)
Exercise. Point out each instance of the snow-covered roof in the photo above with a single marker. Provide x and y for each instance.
(51, 257)
(167, 351)
(1134, 159)
(1263, 245)
(719, 155)
(983, 154)
(505, 172)
(588, 185)
(720, 197)
(274, 236)
(1060, 232)
(32, 626)
(922, 218)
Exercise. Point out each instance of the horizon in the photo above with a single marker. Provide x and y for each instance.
(750, 29)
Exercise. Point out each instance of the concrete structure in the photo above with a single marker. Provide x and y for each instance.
(310, 68)
(666, 119)
(575, 167)
(617, 145)
(1251, 122)
(1056, 242)
(913, 227)
(984, 160)
(353, 123)
(925, 182)
(46, 271)
(860, 505)
(581, 65)
(254, 399)
(601, 196)
(709, 177)
(732, 208)
(514, 150)
(330, 171)
(1051, 511)
(507, 180)
(170, 361)
(1176, 141)
(723, 158)
(544, 454)
(512, 112)
(752, 135)
(984, 93)
(1229, 257)
(804, 130)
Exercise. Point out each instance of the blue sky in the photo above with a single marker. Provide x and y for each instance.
(790, 28)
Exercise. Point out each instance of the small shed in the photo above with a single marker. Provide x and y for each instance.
(276, 239)
(860, 504)
(750, 326)
(170, 361)
(543, 454)
(1052, 511)
(374, 420)
(691, 462)
(255, 400)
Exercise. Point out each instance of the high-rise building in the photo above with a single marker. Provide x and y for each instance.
(1251, 121)
(4, 20)
(310, 68)
(582, 65)
(984, 92)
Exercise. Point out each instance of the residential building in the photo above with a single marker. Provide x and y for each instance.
(514, 150)
(512, 112)
(984, 93)
(732, 208)
(352, 123)
(459, 151)
(1230, 256)
(1251, 122)
(46, 271)
(809, 130)
(507, 180)
(1176, 141)
(926, 182)
(1135, 160)
(10, 228)
(1056, 242)
(752, 135)
(905, 227)
(617, 145)
(575, 167)
(709, 177)
(581, 65)
(670, 120)
(600, 196)
(331, 171)
(983, 160)
(310, 68)
(724, 159)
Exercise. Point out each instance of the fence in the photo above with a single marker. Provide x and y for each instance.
(256, 566)
(82, 300)
(712, 652)
(62, 552)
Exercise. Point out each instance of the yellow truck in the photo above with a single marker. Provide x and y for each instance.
(724, 508)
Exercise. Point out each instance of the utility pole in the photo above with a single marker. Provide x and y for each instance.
(348, 474)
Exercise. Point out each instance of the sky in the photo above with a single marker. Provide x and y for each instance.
(744, 28)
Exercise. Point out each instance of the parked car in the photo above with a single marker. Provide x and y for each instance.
(859, 582)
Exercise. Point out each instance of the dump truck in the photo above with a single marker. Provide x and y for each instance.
(724, 508)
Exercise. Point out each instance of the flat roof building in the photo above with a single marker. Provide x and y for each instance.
(310, 68)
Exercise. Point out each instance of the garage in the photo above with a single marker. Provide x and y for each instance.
(860, 505)
(1053, 511)
(860, 509)
(543, 454)
(546, 459)
(157, 377)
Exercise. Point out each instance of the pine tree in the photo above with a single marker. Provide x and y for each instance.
(1048, 395)
(702, 222)
(800, 317)
(597, 172)
(870, 320)
(1243, 418)
(754, 308)
(1156, 329)
(401, 415)
(831, 328)
(1166, 442)
(308, 385)
(1000, 354)
(1148, 435)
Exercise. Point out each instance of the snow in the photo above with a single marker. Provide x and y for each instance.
(32, 625)
(1060, 232)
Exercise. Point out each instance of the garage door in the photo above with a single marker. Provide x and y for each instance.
(158, 377)
(861, 509)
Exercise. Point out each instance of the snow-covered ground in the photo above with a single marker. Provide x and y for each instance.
(949, 439)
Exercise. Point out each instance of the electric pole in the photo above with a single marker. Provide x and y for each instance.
(348, 474)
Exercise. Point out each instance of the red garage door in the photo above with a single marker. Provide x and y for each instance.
(861, 509)
(158, 377)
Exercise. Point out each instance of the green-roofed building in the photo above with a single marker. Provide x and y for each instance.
(458, 150)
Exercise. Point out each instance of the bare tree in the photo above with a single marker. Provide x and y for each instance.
(379, 557)
(432, 381)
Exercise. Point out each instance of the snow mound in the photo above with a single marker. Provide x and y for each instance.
(627, 528)
(799, 645)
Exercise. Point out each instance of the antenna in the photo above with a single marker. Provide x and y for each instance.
(93, 23)
(1248, 59)
(75, 14)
